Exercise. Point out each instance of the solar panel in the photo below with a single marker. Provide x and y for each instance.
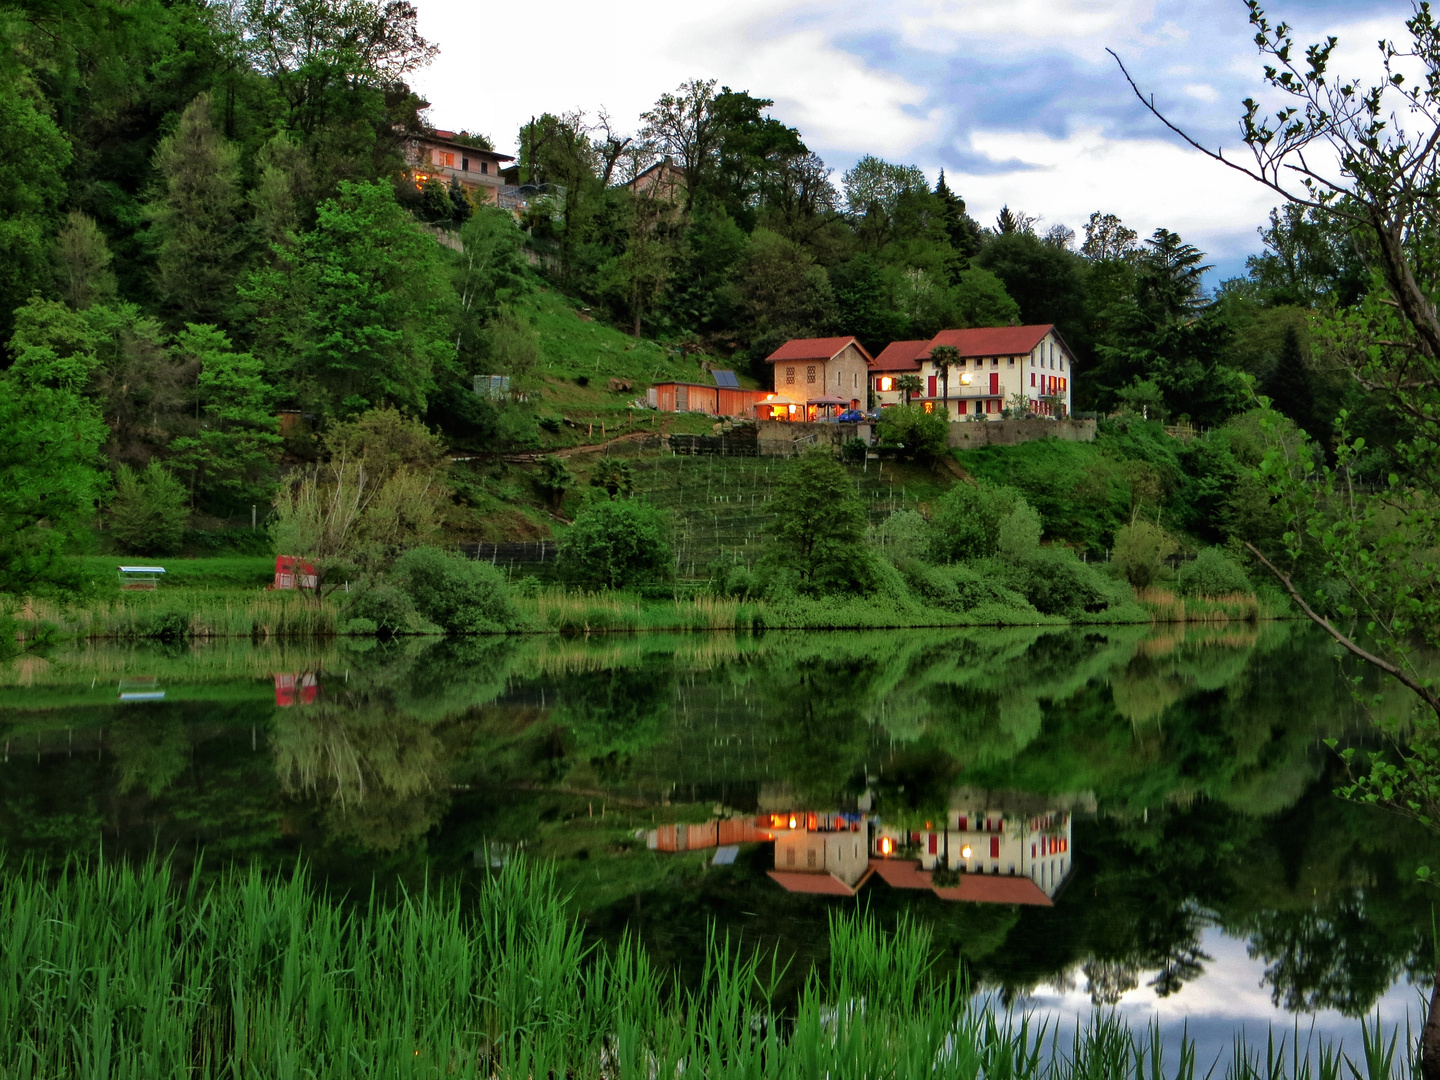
(726, 380)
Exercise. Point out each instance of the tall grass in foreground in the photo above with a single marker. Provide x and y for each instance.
(124, 972)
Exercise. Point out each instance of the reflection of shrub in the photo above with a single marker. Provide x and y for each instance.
(149, 513)
(617, 542)
(1213, 573)
(460, 595)
(944, 877)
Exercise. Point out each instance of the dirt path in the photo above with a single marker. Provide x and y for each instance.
(532, 456)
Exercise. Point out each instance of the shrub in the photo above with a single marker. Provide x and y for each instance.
(1055, 582)
(460, 595)
(383, 608)
(819, 527)
(1213, 573)
(149, 513)
(903, 535)
(1019, 533)
(962, 587)
(922, 435)
(617, 542)
(1141, 550)
(966, 520)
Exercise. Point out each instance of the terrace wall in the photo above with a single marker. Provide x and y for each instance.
(971, 434)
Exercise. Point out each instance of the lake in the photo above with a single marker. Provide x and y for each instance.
(1129, 818)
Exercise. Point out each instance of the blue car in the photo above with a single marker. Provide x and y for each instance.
(851, 416)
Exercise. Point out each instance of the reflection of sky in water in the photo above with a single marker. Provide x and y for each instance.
(1228, 998)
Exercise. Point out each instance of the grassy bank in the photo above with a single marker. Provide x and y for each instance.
(198, 613)
(127, 972)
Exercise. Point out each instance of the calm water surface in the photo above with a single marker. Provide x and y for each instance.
(1133, 819)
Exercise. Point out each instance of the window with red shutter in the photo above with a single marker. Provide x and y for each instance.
(994, 847)
(932, 386)
(1032, 378)
(934, 843)
(994, 382)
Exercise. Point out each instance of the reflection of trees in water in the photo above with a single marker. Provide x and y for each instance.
(151, 748)
(1337, 958)
(381, 777)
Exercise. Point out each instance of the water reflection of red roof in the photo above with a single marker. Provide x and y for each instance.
(901, 873)
(975, 888)
(817, 884)
(995, 889)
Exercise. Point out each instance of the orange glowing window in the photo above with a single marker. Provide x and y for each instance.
(887, 384)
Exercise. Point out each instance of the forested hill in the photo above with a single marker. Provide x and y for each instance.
(207, 222)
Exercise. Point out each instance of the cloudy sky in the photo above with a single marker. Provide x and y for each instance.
(1015, 99)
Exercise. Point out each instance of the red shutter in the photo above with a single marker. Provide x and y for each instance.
(964, 822)
(994, 382)
(1032, 378)
(934, 843)
(994, 847)
(932, 386)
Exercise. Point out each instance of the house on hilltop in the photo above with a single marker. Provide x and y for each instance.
(438, 155)
(817, 377)
(998, 367)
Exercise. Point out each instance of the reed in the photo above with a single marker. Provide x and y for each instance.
(1165, 606)
(126, 971)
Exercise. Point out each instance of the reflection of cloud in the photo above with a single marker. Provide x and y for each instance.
(1228, 997)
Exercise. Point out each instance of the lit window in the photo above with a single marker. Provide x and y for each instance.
(886, 384)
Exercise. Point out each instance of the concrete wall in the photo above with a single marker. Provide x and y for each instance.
(782, 438)
(972, 433)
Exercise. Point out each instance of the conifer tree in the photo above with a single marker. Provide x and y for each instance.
(1288, 385)
(196, 219)
(82, 263)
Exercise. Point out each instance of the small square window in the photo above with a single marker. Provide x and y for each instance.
(1012, 361)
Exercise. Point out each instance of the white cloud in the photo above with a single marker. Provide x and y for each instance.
(1203, 92)
(571, 54)
(937, 24)
(1148, 182)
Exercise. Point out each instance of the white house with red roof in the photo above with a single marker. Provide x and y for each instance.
(998, 368)
(817, 377)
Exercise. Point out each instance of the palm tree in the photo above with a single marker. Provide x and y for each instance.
(908, 384)
(941, 358)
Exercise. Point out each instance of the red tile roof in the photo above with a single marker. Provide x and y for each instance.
(990, 340)
(900, 356)
(820, 348)
(820, 884)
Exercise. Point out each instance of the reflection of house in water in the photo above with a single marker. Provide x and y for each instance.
(987, 836)
(820, 853)
(295, 689)
(995, 848)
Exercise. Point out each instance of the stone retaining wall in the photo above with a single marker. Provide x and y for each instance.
(970, 434)
(785, 438)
